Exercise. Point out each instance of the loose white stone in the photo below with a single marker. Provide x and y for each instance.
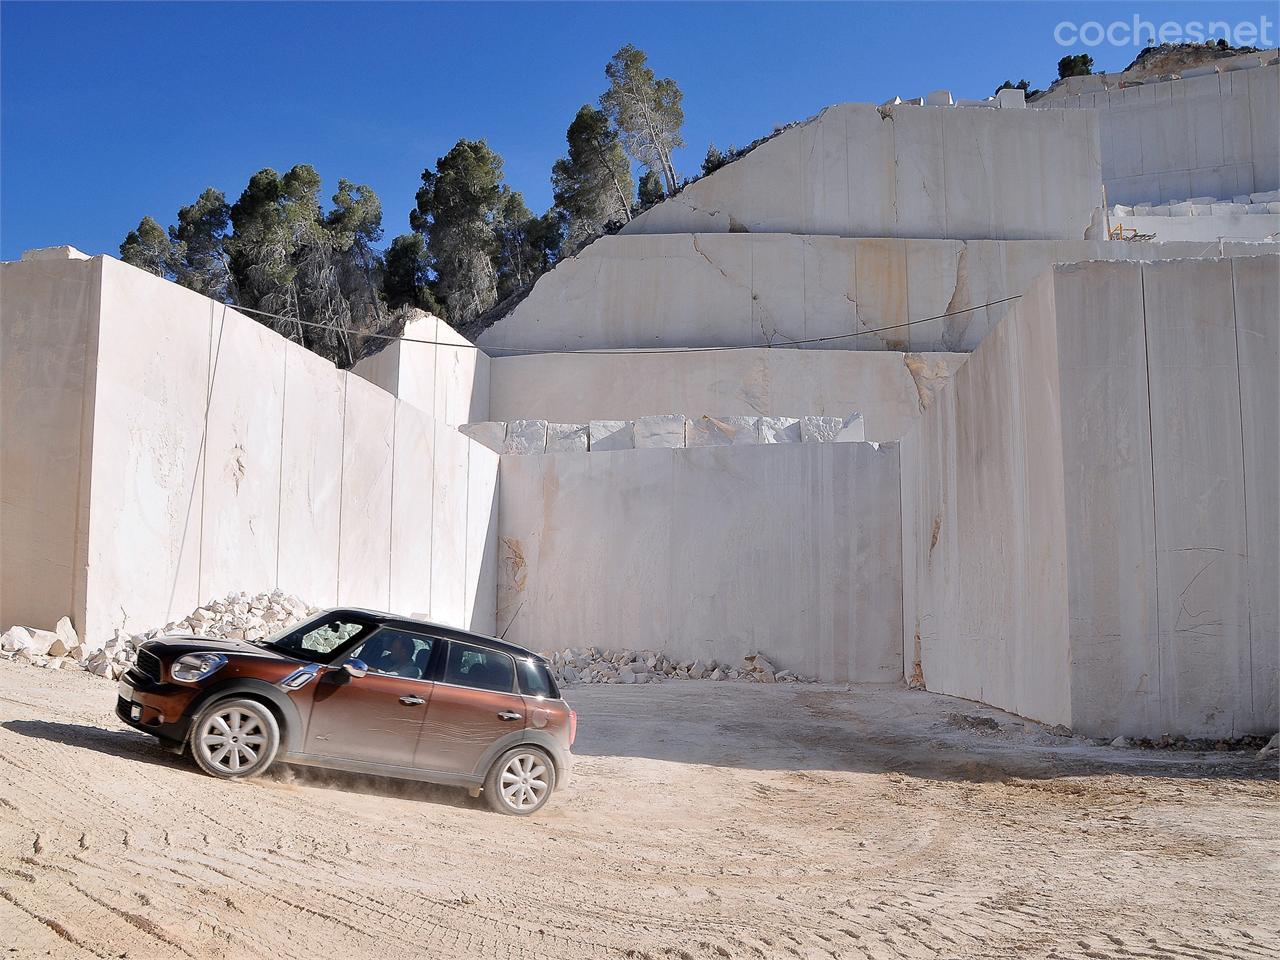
(15, 639)
(42, 641)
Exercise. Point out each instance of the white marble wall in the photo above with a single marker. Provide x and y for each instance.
(889, 389)
(226, 458)
(1212, 135)
(857, 170)
(1095, 505)
(435, 368)
(47, 350)
(637, 292)
(986, 535)
(791, 550)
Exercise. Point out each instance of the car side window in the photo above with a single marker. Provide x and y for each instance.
(396, 653)
(469, 666)
(535, 681)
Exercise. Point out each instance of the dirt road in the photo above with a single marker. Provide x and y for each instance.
(705, 820)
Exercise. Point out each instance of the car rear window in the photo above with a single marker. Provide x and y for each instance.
(535, 679)
(469, 666)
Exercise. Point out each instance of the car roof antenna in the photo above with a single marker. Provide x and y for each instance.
(503, 635)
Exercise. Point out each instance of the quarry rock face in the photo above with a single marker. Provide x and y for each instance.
(669, 457)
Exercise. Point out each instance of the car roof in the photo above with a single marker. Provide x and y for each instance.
(454, 633)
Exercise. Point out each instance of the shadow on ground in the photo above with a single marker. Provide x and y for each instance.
(140, 748)
(870, 728)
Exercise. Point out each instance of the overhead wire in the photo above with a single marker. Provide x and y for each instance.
(523, 351)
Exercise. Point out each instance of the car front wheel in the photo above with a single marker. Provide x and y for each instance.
(520, 782)
(234, 739)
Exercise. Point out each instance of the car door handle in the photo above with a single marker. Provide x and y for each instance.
(509, 715)
(411, 701)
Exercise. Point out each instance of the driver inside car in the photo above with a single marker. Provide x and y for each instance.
(398, 659)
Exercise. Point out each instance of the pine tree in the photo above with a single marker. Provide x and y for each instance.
(593, 183)
(199, 261)
(646, 112)
(650, 191)
(147, 248)
(457, 206)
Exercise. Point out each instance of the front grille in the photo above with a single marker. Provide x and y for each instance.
(149, 666)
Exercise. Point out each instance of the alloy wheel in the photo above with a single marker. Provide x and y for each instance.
(232, 740)
(523, 781)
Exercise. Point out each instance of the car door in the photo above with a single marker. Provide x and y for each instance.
(474, 702)
(376, 718)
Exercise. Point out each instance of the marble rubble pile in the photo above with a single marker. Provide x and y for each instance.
(593, 665)
(240, 616)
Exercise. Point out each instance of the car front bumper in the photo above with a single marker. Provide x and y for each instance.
(160, 709)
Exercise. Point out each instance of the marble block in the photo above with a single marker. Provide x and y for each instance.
(490, 433)
(663, 430)
(566, 438)
(525, 437)
(611, 435)
(721, 431)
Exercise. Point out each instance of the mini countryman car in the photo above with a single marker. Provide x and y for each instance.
(363, 692)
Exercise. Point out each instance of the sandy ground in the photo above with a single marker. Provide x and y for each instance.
(705, 820)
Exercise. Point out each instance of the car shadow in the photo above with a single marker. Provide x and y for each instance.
(141, 748)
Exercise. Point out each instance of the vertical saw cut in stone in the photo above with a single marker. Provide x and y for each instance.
(612, 435)
(707, 431)
(663, 430)
(525, 437)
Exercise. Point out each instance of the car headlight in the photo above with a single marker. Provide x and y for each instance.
(196, 666)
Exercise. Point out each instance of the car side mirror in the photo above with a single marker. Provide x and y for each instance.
(355, 667)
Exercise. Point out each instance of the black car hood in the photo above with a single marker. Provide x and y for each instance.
(178, 645)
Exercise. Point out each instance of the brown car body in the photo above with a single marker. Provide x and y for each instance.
(437, 727)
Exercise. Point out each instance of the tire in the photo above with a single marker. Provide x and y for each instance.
(253, 733)
(511, 786)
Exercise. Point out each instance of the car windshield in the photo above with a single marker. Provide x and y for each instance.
(320, 638)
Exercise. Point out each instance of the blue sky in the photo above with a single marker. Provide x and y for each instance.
(110, 112)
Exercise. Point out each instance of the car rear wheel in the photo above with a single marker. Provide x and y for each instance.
(520, 782)
(234, 739)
